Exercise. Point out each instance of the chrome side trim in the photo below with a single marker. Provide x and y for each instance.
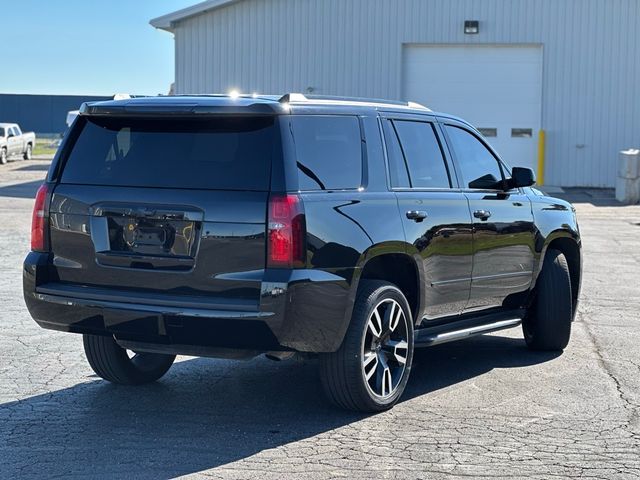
(484, 277)
(523, 273)
(449, 282)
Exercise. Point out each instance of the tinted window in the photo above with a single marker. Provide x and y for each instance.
(422, 154)
(397, 166)
(328, 152)
(2, 132)
(474, 159)
(17, 130)
(213, 153)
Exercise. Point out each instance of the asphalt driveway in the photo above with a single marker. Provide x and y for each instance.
(485, 407)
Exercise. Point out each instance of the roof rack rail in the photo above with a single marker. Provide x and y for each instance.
(338, 98)
(301, 98)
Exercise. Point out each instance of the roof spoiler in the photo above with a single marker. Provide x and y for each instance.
(175, 109)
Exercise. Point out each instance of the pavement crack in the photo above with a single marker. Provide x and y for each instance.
(632, 408)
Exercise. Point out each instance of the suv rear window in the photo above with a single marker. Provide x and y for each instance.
(225, 153)
(328, 152)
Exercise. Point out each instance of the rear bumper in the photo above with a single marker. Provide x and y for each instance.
(301, 310)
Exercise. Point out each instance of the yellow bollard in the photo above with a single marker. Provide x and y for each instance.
(541, 148)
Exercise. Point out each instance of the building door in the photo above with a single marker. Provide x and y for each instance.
(496, 88)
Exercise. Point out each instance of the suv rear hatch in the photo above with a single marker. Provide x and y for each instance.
(163, 209)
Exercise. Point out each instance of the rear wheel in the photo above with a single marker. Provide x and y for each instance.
(547, 325)
(28, 152)
(371, 369)
(112, 362)
(3, 156)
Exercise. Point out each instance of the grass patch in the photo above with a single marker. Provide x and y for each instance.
(46, 147)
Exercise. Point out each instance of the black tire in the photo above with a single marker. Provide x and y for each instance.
(111, 362)
(28, 152)
(3, 156)
(343, 372)
(547, 325)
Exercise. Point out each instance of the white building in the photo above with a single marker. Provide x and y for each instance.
(568, 67)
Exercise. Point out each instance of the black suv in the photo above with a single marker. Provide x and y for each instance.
(348, 229)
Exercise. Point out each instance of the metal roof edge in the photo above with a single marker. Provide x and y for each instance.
(166, 22)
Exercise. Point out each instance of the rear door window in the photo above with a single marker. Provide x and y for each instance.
(218, 153)
(328, 152)
(422, 154)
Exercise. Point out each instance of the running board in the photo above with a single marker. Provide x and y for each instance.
(457, 330)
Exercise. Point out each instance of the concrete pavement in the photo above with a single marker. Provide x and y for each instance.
(482, 408)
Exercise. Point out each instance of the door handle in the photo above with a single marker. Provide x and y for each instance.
(416, 215)
(482, 214)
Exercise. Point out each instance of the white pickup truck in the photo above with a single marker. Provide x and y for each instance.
(14, 143)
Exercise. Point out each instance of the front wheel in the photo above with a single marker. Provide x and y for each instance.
(28, 153)
(113, 363)
(547, 325)
(371, 368)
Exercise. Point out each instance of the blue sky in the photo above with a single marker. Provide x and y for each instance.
(86, 46)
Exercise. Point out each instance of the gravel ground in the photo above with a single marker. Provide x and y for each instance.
(483, 408)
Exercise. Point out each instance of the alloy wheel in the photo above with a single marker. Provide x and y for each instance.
(385, 348)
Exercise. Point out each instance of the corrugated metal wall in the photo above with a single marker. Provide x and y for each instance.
(45, 114)
(591, 97)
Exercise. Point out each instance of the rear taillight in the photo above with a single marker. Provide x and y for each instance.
(286, 232)
(39, 221)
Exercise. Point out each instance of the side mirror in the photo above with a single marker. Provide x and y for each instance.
(521, 177)
(10, 135)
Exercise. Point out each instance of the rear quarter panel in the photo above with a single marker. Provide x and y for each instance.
(344, 230)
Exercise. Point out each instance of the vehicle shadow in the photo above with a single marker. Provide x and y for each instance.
(206, 413)
(44, 167)
(448, 364)
(21, 190)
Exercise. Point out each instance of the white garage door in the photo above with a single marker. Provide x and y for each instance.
(498, 89)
